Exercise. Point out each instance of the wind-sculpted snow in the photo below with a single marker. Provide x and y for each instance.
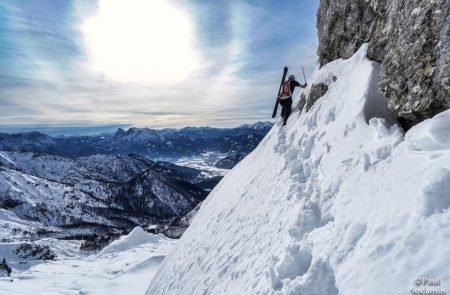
(432, 134)
(336, 202)
(135, 238)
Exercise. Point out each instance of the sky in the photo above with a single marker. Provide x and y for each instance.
(103, 64)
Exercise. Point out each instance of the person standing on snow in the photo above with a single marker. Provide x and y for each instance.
(285, 97)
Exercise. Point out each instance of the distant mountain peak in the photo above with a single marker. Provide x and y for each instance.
(120, 131)
(152, 143)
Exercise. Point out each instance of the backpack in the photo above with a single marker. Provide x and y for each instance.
(285, 91)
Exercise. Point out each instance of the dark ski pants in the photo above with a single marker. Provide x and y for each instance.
(286, 108)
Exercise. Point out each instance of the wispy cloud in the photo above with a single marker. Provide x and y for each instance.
(45, 76)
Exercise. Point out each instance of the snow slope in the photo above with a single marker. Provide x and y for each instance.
(339, 201)
(12, 227)
(120, 271)
(135, 238)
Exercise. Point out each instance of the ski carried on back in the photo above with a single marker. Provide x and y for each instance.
(275, 109)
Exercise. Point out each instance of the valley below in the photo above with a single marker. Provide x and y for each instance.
(63, 200)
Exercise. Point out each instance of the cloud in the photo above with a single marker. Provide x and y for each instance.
(241, 46)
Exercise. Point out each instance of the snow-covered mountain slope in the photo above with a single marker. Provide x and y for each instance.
(115, 169)
(49, 202)
(14, 228)
(339, 201)
(92, 193)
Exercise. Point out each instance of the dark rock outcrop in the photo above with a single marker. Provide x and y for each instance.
(5, 269)
(210, 183)
(230, 161)
(178, 226)
(317, 91)
(411, 40)
(35, 252)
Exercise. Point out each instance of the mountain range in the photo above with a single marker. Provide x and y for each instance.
(95, 193)
(147, 142)
(92, 185)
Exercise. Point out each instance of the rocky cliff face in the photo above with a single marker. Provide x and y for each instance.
(411, 40)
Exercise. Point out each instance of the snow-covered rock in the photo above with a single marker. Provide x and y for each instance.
(135, 238)
(336, 202)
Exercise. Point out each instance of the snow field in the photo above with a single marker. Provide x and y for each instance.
(124, 268)
(339, 201)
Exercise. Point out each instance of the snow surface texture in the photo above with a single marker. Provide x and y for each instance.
(337, 202)
(126, 270)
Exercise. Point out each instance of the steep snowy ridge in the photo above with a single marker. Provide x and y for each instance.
(339, 201)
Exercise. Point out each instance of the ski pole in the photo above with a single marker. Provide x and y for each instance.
(304, 77)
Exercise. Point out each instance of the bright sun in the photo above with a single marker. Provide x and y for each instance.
(141, 41)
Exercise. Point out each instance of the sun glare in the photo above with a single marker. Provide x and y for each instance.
(140, 41)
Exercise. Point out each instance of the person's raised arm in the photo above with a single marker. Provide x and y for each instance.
(298, 84)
